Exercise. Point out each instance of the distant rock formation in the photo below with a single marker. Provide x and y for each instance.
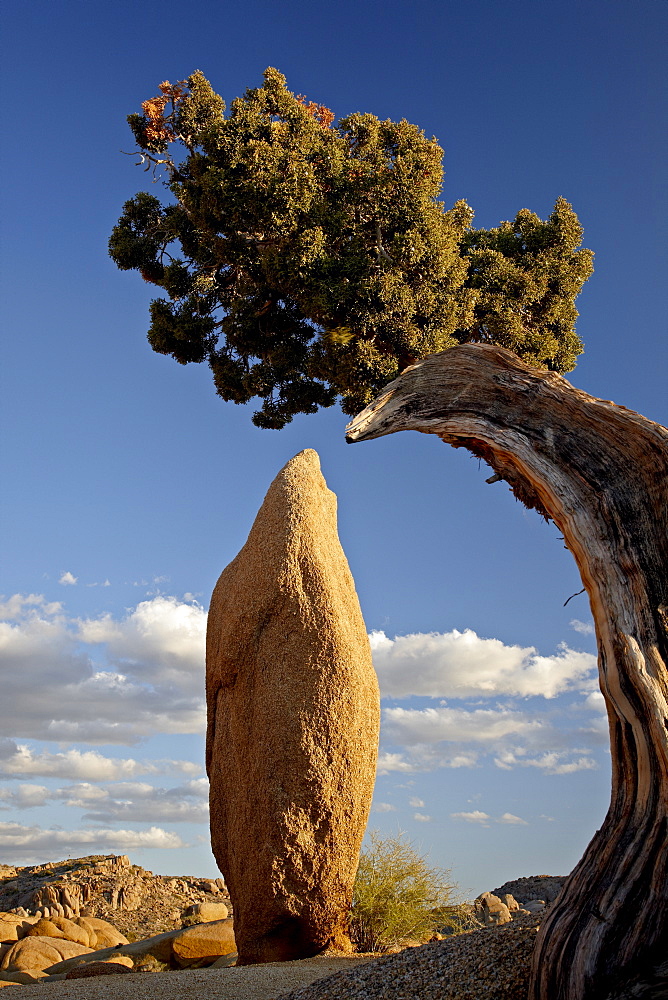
(517, 899)
(293, 718)
(533, 887)
(111, 888)
(492, 911)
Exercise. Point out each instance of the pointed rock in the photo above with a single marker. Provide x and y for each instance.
(293, 718)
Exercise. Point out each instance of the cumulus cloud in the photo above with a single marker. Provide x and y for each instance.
(425, 758)
(24, 845)
(78, 765)
(120, 801)
(551, 762)
(143, 803)
(388, 762)
(437, 738)
(584, 628)
(416, 803)
(463, 665)
(24, 796)
(82, 794)
(384, 807)
(101, 680)
(511, 819)
(484, 819)
(595, 702)
(165, 637)
(421, 818)
(68, 579)
(412, 726)
(21, 604)
(476, 816)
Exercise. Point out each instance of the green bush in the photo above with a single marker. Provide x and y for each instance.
(397, 896)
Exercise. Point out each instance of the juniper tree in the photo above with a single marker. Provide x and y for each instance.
(308, 260)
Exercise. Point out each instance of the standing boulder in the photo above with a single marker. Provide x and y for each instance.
(293, 719)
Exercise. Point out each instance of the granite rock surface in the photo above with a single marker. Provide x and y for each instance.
(293, 719)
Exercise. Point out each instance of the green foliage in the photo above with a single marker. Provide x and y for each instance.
(397, 896)
(306, 261)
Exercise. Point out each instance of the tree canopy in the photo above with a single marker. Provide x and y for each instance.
(307, 259)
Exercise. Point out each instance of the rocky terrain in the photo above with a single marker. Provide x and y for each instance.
(536, 887)
(493, 963)
(137, 902)
(174, 925)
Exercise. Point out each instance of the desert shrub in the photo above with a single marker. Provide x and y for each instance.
(148, 963)
(397, 895)
(456, 919)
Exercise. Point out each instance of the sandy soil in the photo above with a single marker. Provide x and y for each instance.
(251, 982)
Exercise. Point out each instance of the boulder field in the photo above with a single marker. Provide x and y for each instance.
(43, 949)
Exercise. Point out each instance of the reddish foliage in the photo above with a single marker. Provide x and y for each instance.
(160, 128)
(322, 115)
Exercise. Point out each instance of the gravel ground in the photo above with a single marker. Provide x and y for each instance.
(491, 963)
(250, 982)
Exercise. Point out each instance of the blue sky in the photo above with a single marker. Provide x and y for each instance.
(128, 485)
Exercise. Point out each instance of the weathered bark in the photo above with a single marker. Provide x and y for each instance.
(599, 471)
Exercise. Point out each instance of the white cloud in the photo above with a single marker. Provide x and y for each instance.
(25, 796)
(423, 739)
(131, 801)
(142, 803)
(196, 789)
(20, 604)
(416, 803)
(411, 726)
(68, 579)
(552, 762)
(425, 758)
(164, 635)
(101, 680)
(484, 819)
(463, 759)
(29, 844)
(421, 818)
(476, 816)
(597, 730)
(463, 665)
(393, 762)
(81, 794)
(511, 819)
(584, 628)
(384, 807)
(78, 765)
(595, 702)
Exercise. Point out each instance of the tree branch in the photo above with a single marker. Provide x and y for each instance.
(600, 472)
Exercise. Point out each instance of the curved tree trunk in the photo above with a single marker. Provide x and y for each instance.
(599, 471)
